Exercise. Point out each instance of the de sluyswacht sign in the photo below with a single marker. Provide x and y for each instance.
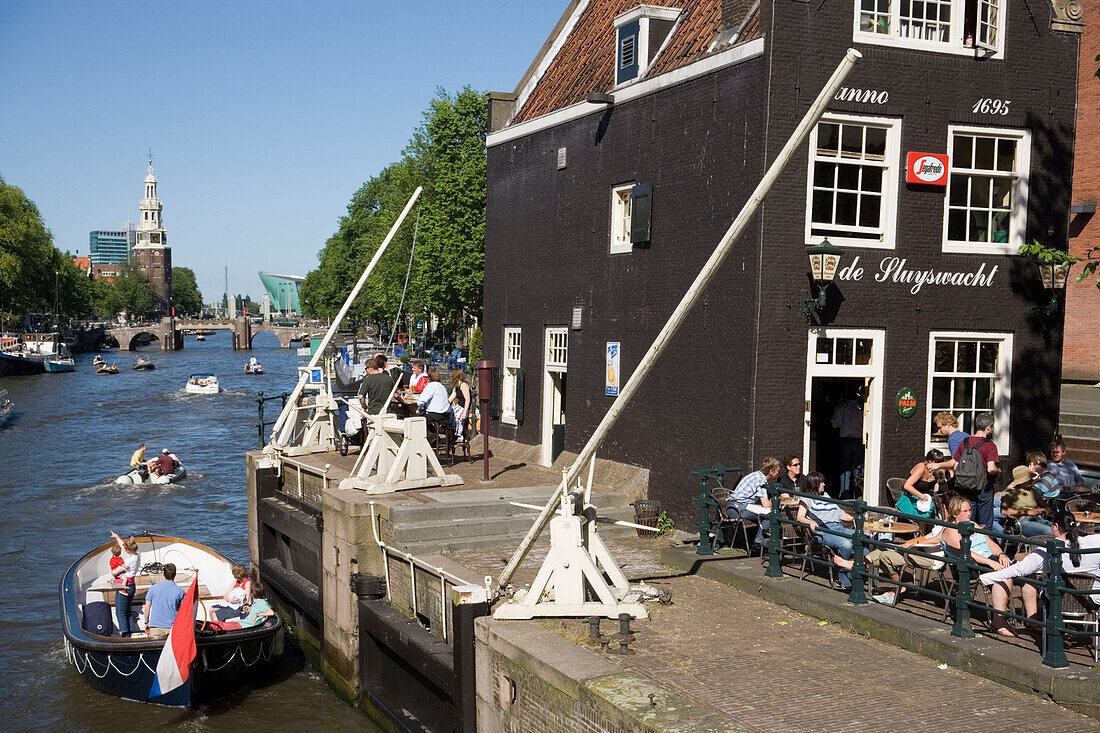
(897, 270)
(906, 402)
(611, 385)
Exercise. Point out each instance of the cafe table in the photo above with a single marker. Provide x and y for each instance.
(1087, 517)
(895, 527)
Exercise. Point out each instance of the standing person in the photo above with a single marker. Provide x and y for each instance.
(948, 426)
(1064, 470)
(975, 479)
(375, 388)
(162, 601)
(418, 381)
(434, 399)
(916, 495)
(848, 421)
(791, 476)
(461, 399)
(127, 572)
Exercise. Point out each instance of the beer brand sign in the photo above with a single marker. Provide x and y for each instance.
(929, 169)
(906, 402)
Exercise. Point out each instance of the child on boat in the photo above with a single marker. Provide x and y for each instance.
(258, 612)
(115, 561)
(240, 594)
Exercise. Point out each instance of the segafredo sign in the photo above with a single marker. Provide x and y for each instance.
(898, 270)
(927, 168)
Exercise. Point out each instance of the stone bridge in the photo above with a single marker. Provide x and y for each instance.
(170, 334)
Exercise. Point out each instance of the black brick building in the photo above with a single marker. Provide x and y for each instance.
(930, 296)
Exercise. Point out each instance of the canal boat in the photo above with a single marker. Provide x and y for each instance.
(253, 368)
(60, 362)
(98, 360)
(202, 384)
(6, 406)
(28, 354)
(125, 667)
(143, 365)
(145, 477)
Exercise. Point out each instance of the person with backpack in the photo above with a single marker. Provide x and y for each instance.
(976, 464)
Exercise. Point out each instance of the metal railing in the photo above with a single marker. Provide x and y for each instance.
(261, 424)
(1054, 583)
(706, 501)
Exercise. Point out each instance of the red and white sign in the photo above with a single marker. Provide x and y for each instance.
(929, 169)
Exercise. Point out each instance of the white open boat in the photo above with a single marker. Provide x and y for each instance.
(6, 406)
(125, 666)
(202, 384)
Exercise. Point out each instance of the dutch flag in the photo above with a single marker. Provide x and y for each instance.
(174, 665)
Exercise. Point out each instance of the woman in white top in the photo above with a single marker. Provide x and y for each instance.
(127, 571)
(1038, 561)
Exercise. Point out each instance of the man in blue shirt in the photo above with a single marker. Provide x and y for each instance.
(161, 604)
(948, 426)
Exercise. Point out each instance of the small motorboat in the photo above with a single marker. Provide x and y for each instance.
(200, 337)
(6, 406)
(202, 384)
(251, 368)
(143, 365)
(107, 369)
(138, 476)
(125, 666)
(59, 364)
(98, 360)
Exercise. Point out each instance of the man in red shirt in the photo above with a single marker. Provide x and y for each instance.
(982, 499)
(164, 465)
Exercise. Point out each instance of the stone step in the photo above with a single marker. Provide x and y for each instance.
(1083, 451)
(1077, 419)
(505, 542)
(448, 511)
(407, 533)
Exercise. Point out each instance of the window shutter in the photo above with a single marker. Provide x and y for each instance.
(519, 395)
(641, 211)
(494, 403)
(626, 55)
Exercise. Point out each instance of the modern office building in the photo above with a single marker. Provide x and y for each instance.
(111, 247)
(283, 290)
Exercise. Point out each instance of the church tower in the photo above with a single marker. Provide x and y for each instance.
(151, 252)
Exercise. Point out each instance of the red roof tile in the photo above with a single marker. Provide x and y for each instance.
(585, 61)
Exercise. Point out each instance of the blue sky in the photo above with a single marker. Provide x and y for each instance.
(263, 118)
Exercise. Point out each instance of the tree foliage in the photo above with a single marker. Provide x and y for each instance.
(185, 292)
(446, 156)
(130, 292)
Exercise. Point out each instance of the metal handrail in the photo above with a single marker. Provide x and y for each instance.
(962, 563)
(261, 424)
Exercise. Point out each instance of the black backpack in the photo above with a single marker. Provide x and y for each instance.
(970, 468)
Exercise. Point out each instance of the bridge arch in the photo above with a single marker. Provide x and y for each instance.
(106, 341)
(282, 334)
(136, 337)
(264, 339)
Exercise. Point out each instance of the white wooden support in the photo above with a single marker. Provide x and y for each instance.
(319, 433)
(388, 465)
(577, 558)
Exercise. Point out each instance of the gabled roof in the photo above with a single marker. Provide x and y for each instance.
(580, 58)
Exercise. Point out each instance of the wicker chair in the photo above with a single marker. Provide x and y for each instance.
(722, 521)
(894, 489)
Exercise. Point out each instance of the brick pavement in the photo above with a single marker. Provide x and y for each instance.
(772, 669)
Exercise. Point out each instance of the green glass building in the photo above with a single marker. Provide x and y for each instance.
(283, 290)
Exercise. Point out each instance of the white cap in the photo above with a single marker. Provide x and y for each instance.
(164, 450)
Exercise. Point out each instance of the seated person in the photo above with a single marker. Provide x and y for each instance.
(1022, 501)
(916, 495)
(418, 380)
(824, 513)
(257, 612)
(1064, 470)
(889, 562)
(983, 549)
(791, 476)
(1063, 528)
(433, 400)
(238, 595)
(375, 388)
(1046, 483)
(161, 604)
(164, 465)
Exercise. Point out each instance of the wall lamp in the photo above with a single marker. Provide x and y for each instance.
(824, 263)
(1054, 277)
(599, 98)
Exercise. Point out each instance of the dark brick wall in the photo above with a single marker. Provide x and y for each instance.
(714, 397)
(547, 242)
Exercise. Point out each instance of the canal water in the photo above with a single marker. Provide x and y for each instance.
(70, 436)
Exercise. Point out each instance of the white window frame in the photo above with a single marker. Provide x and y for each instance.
(1017, 227)
(510, 365)
(956, 43)
(620, 219)
(891, 167)
(1002, 396)
(557, 348)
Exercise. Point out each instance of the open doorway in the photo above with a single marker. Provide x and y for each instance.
(843, 396)
(553, 393)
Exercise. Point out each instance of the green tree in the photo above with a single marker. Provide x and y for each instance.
(28, 259)
(130, 292)
(185, 292)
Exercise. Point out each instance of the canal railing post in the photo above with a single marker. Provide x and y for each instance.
(775, 532)
(858, 594)
(962, 576)
(260, 424)
(705, 502)
(1054, 654)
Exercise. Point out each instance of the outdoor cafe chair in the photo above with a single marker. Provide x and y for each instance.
(894, 489)
(816, 553)
(722, 521)
(1080, 610)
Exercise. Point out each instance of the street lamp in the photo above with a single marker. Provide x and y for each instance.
(824, 263)
(1053, 276)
